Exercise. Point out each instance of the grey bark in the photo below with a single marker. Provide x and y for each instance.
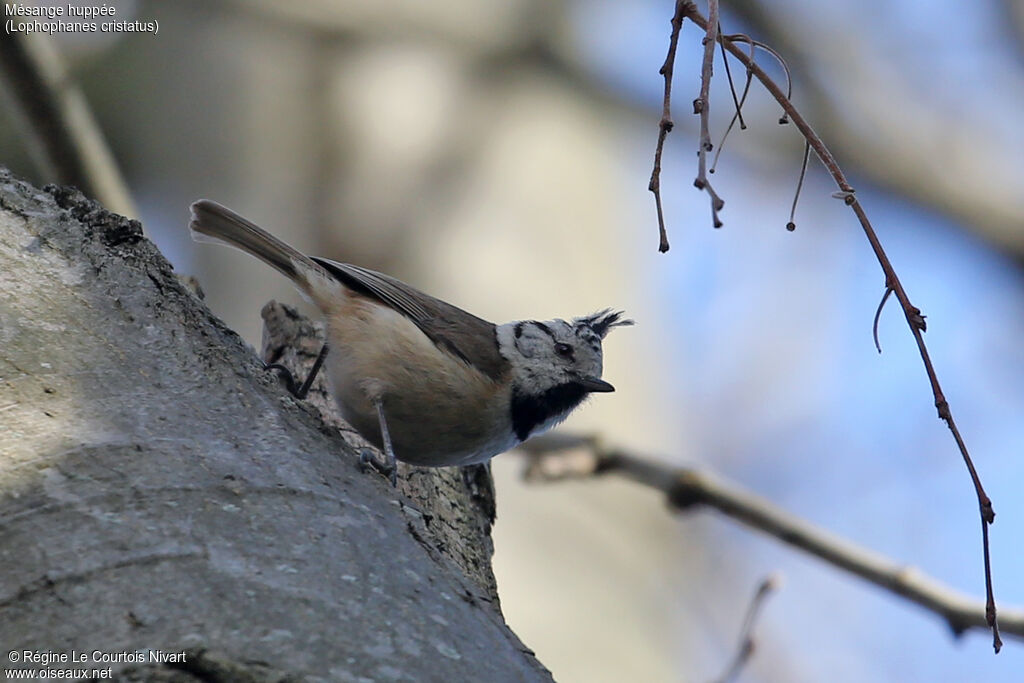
(159, 490)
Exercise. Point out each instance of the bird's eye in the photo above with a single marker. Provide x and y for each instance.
(564, 350)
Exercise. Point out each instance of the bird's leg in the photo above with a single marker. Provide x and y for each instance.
(389, 467)
(289, 380)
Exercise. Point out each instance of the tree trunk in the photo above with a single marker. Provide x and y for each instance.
(160, 491)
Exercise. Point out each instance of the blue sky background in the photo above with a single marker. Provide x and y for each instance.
(777, 372)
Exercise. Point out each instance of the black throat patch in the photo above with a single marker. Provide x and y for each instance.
(530, 411)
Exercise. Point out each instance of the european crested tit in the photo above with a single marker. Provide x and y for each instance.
(429, 383)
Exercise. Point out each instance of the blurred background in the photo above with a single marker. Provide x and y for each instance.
(496, 153)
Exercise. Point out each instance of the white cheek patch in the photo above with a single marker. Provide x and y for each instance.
(526, 347)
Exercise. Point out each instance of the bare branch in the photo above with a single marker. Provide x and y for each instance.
(913, 315)
(666, 124)
(562, 457)
(702, 107)
(746, 646)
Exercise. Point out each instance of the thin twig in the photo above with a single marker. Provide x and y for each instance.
(791, 225)
(738, 114)
(732, 87)
(566, 457)
(754, 44)
(666, 124)
(746, 646)
(702, 107)
(68, 145)
(878, 316)
(913, 315)
(743, 38)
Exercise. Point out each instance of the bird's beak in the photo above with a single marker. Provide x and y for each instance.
(594, 384)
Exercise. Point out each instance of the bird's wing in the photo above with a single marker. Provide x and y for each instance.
(458, 332)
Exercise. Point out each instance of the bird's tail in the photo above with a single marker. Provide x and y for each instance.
(212, 222)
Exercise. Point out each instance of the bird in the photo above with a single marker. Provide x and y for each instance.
(424, 381)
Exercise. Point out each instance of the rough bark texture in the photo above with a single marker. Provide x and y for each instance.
(160, 491)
